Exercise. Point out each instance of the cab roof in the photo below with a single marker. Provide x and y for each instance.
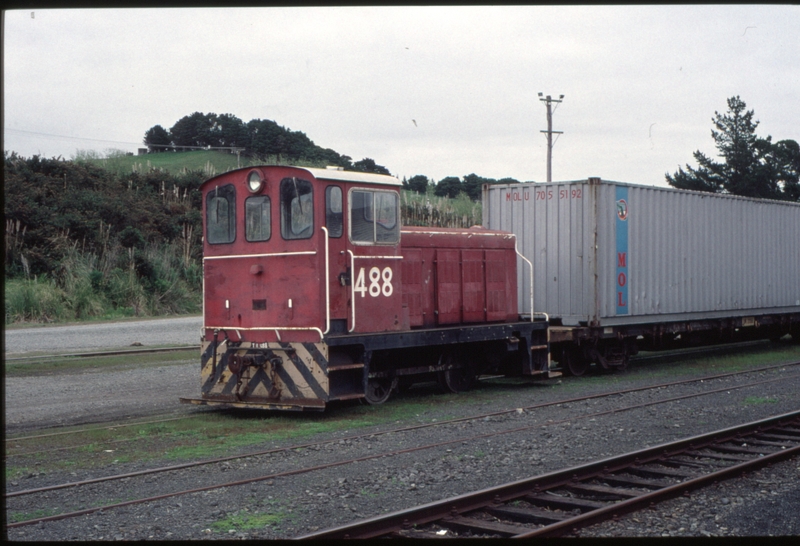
(330, 173)
(352, 176)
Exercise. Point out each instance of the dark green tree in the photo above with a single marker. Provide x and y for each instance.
(230, 131)
(418, 183)
(751, 166)
(368, 165)
(784, 158)
(157, 139)
(473, 185)
(194, 130)
(264, 137)
(448, 187)
(507, 180)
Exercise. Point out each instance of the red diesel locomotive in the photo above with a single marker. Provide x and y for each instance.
(313, 292)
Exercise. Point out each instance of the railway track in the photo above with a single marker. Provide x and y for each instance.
(295, 471)
(561, 502)
(52, 357)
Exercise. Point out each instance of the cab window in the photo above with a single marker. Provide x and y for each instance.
(297, 208)
(333, 211)
(374, 217)
(257, 218)
(221, 214)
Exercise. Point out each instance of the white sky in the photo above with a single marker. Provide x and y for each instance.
(641, 83)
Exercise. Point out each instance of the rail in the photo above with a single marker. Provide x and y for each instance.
(546, 505)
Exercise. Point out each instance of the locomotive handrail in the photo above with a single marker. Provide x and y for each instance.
(270, 255)
(327, 284)
(527, 261)
(271, 328)
(352, 291)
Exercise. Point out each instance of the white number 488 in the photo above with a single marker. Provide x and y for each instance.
(376, 287)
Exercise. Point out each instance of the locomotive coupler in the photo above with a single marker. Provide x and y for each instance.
(238, 363)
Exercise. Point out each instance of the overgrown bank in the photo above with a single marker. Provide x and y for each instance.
(83, 242)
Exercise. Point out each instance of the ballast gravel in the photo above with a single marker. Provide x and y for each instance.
(538, 440)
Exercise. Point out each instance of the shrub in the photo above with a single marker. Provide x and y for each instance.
(39, 300)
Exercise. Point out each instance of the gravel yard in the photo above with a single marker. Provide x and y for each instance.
(93, 396)
(765, 502)
(103, 335)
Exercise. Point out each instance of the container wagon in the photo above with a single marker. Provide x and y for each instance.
(617, 267)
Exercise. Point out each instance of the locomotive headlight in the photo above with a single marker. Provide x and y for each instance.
(254, 181)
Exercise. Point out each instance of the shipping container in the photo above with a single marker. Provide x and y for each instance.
(608, 253)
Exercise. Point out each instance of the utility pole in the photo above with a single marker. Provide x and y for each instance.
(548, 100)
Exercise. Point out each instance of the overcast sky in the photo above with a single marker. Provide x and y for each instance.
(438, 91)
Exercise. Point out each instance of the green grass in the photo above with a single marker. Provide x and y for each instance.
(14, 517)
(80, 291)
(210, 162)
(430, 210)
(206, 435)
(37, 299)
(244, 520)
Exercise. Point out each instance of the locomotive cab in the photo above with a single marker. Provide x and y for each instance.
(292, 255)
(288, 249)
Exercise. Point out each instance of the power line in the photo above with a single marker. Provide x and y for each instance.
(234, 148)
(7, 130)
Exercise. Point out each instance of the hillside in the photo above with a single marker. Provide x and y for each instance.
(209, 162)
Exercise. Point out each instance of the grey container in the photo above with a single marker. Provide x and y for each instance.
(607, 253)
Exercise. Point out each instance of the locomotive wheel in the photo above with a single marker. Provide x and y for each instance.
(379, 389)
(456, 380)
(574, 362)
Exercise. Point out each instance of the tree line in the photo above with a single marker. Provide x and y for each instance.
(256, 138)
(452, 186)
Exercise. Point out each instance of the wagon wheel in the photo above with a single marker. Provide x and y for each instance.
(379, 389)
(458, 379)
(574, 362)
